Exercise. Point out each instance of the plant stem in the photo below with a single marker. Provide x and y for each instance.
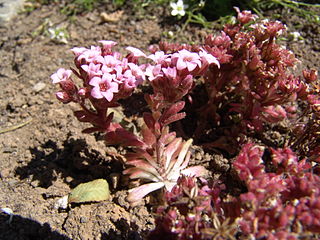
(14, 127)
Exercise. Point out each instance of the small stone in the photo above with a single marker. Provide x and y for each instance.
(62, 203)
(115, 178)
(35, 183)
(9, 212)
(74, 35)
(12, 183)
(4, 173)
(69, 179)
(24, 41)
(111, 17)
(9, 149)
(83, 220)
(39, 87)
(198, 156)
(8, 9)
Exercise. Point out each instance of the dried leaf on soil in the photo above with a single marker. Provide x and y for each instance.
(94, 191)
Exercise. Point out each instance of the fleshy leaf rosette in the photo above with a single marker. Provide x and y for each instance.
(162, 168)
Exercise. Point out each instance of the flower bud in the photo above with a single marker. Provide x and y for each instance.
(68, 86)
(310, 75)
(83, 92)
(63, 97)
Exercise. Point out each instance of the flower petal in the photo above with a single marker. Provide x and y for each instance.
(96, 93)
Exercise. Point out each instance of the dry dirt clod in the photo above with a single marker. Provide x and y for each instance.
(39, 87)
(4, 173)
(111, 17)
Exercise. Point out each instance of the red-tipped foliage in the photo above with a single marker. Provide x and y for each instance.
(247, 77)
(282, 203)
(253, 84)
(191, 212)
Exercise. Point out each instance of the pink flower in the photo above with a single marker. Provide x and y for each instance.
(107, 46)
(128, 80)
(153, 72)
(61, 75)
(82, 92)
(110, 63)
(91, 55)
(63, 97)
(92, 69)
(208, 58)
(104, 87)
(158, 57)
(78, 50)
(186, 60)
(170, 73)
(137, 73)
(136, 52)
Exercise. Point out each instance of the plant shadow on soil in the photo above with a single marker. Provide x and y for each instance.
(75, 163)
(128, 232)
(24, 229)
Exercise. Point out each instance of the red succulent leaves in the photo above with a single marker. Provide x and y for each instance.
(277, 202)
(245, 73)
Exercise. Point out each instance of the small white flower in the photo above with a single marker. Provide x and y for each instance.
(58, 34)
(178, 8)
(296, 36)
(202, 3)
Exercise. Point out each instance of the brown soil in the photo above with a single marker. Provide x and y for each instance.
(45, 158)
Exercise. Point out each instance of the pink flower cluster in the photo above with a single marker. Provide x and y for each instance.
(172, 74)
(105, 74)
(158, 158)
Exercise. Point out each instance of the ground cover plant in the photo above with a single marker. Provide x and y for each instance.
(248, 85)
(54, 178)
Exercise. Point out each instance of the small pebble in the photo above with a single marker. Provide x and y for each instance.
(12, 183)
(10, 149)
(69, 179)
(35, 183)
(4, 173)
(62, 203)
(39, 87)
(83, 220)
